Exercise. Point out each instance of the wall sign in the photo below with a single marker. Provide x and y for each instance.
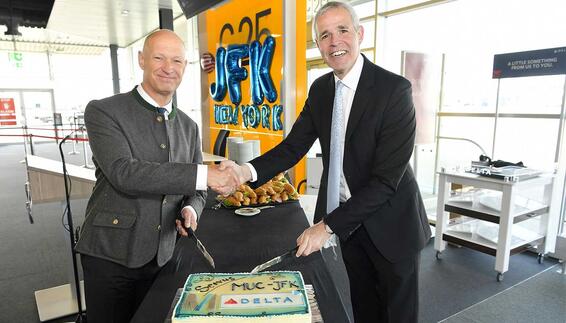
(244, 38)
(7, 112)
(248, 62)
(550, 61)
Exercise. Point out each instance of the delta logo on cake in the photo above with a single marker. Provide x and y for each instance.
(261, 300)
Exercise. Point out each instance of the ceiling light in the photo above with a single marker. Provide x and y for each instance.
(125, 12)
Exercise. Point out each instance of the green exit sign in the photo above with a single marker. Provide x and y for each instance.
(16, 58)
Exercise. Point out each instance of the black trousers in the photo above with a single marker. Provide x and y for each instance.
(381, 291)
(113, 292)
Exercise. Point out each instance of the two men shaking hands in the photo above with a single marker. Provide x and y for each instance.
(225, 177)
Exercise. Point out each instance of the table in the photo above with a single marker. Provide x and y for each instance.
(238, 244)
(46, 185)
(46, 180)
(210, 158)
(510, 237)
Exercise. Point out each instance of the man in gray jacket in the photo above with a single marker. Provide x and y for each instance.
(150, 183)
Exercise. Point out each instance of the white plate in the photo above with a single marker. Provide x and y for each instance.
(247, 211)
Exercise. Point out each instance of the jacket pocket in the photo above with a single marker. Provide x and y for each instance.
(112, 234)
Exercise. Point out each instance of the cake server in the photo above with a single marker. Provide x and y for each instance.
(289, 254)
(201, 247)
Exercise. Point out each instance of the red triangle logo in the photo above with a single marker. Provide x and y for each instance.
(231, 301)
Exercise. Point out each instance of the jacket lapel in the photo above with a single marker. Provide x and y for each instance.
(364, 92)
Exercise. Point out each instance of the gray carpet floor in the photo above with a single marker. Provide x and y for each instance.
(35, 256)
(541, 298)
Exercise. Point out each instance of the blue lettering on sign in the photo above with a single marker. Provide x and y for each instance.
(230, 74)
(234, 73)
(265, 113)
(256, 300)
(287, 300)
(251, 116)
(277, 112)
(218, 89)
(225, 114)
(244, 301)
(260, 63)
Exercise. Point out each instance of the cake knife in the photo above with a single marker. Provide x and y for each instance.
(201, 247)
(289, 254)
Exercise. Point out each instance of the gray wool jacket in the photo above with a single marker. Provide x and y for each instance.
(146, 170)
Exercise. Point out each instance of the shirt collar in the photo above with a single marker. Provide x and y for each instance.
(353, 77)
(151, 101)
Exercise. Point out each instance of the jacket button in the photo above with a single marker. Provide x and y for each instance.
(163, 146)
(159, 119)
(115, 221)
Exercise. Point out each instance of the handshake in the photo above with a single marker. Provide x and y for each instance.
(227, 176)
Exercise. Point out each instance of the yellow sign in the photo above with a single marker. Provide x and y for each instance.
(246, 39)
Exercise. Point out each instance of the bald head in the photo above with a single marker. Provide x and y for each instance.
(162, 35)
(163, 63)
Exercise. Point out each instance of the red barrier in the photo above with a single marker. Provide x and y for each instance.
(46, 137)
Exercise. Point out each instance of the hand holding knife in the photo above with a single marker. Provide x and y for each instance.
(185, 228)
(201, 247)
(289, 254)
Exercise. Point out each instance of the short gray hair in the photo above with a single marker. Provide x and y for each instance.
(334, 5)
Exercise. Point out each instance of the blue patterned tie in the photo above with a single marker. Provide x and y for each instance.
(334, 172)
(163, 111)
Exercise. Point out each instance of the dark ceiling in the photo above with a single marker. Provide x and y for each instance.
(28, 13)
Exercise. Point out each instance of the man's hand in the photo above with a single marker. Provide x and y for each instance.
(223, 180)
(312, 239)
(243, 172)
(189, 220)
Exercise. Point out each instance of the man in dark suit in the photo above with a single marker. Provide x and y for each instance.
(379, 218)
(150, 183)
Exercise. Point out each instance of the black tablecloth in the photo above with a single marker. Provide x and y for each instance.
(238, 244)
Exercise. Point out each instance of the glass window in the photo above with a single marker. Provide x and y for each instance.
(532, 141)
(466, 90)
(460, 152)
(386, 5)
(369, 34)
(470, 33)
(536, 94)
(19, 68)
(365, 9)
(79, 79)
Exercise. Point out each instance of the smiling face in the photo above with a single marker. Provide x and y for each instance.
(163, 63)
(338, 41)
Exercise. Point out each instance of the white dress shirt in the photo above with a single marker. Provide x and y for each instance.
(350, 81)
